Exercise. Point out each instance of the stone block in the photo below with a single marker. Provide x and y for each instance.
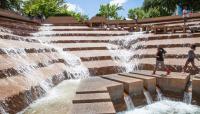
(149, 82)
(92, 97)
(132, 86)
(93, 108)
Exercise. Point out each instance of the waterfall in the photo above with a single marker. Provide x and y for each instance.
(159, 94)
(26, 67)
(129, 103)
(148, 97)
(124, 53)
(187, 97)
(75, 68)
(166, 107)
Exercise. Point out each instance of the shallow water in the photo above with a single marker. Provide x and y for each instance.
(57, 101)
(166, 107)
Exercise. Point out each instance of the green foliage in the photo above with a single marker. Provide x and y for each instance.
(109, 11)
(157, 8)
(11, 4)
(50, 8)
(137, 11)
(160, 7)
(42, 7)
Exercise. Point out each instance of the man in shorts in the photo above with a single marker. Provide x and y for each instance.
(160, 60)
(191, 58)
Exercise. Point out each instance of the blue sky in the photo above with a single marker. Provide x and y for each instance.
(91, 7)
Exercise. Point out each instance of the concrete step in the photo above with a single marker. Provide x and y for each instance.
(23, 89)
(13, 85)
(100, 85)
(91, 98)
(93, 108)
(174, 51)
(11, 65)
(84, 45)
(172, 85)
(132, 86)
(149, 82)
(81, 33)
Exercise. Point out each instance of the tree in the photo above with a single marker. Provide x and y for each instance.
(42, 7)
(161, 7)
(14, 5)
(109, 11)
(137, 11)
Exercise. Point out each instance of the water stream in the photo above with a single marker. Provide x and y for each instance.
(124, 53)
(27, 67)
(148, 97)
(129, 103)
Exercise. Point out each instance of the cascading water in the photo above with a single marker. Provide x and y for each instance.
(187, 97)
(148, 97)
(25, 66)
(124, 54)
(166, 107)
(75, 68)
(129, 103)
(159, 94)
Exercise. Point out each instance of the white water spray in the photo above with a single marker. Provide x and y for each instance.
(124, 54)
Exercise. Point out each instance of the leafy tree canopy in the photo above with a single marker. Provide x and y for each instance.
(110, 11)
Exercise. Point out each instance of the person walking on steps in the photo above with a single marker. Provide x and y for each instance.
(160, 60)
(191, 59)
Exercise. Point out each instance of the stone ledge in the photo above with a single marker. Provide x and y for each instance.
(92, 97)
(175, 83)
(133, 87)
(93, 108)
(149, 82)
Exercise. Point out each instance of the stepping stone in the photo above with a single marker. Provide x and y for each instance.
(132, 86)
(92, 97)
(100, 85)
(149, 82)
(93, 108)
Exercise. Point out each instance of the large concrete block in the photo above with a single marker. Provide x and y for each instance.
(100, 85)
(172, 85)
(93, 108)
(92, 97)
(149, 82)
(132, 86)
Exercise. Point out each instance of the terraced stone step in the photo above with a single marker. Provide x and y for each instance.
(24, 90)
(81, 33)
(173, 51)
(93, 108)
(132, 86)
(149, 82)
(172, 85)
(91, 98)
(176, 61)
(99, 85)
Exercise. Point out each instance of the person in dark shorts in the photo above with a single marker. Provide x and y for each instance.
(191, 58)
(160, 59)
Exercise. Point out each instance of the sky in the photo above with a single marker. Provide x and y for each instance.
(91, 7)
